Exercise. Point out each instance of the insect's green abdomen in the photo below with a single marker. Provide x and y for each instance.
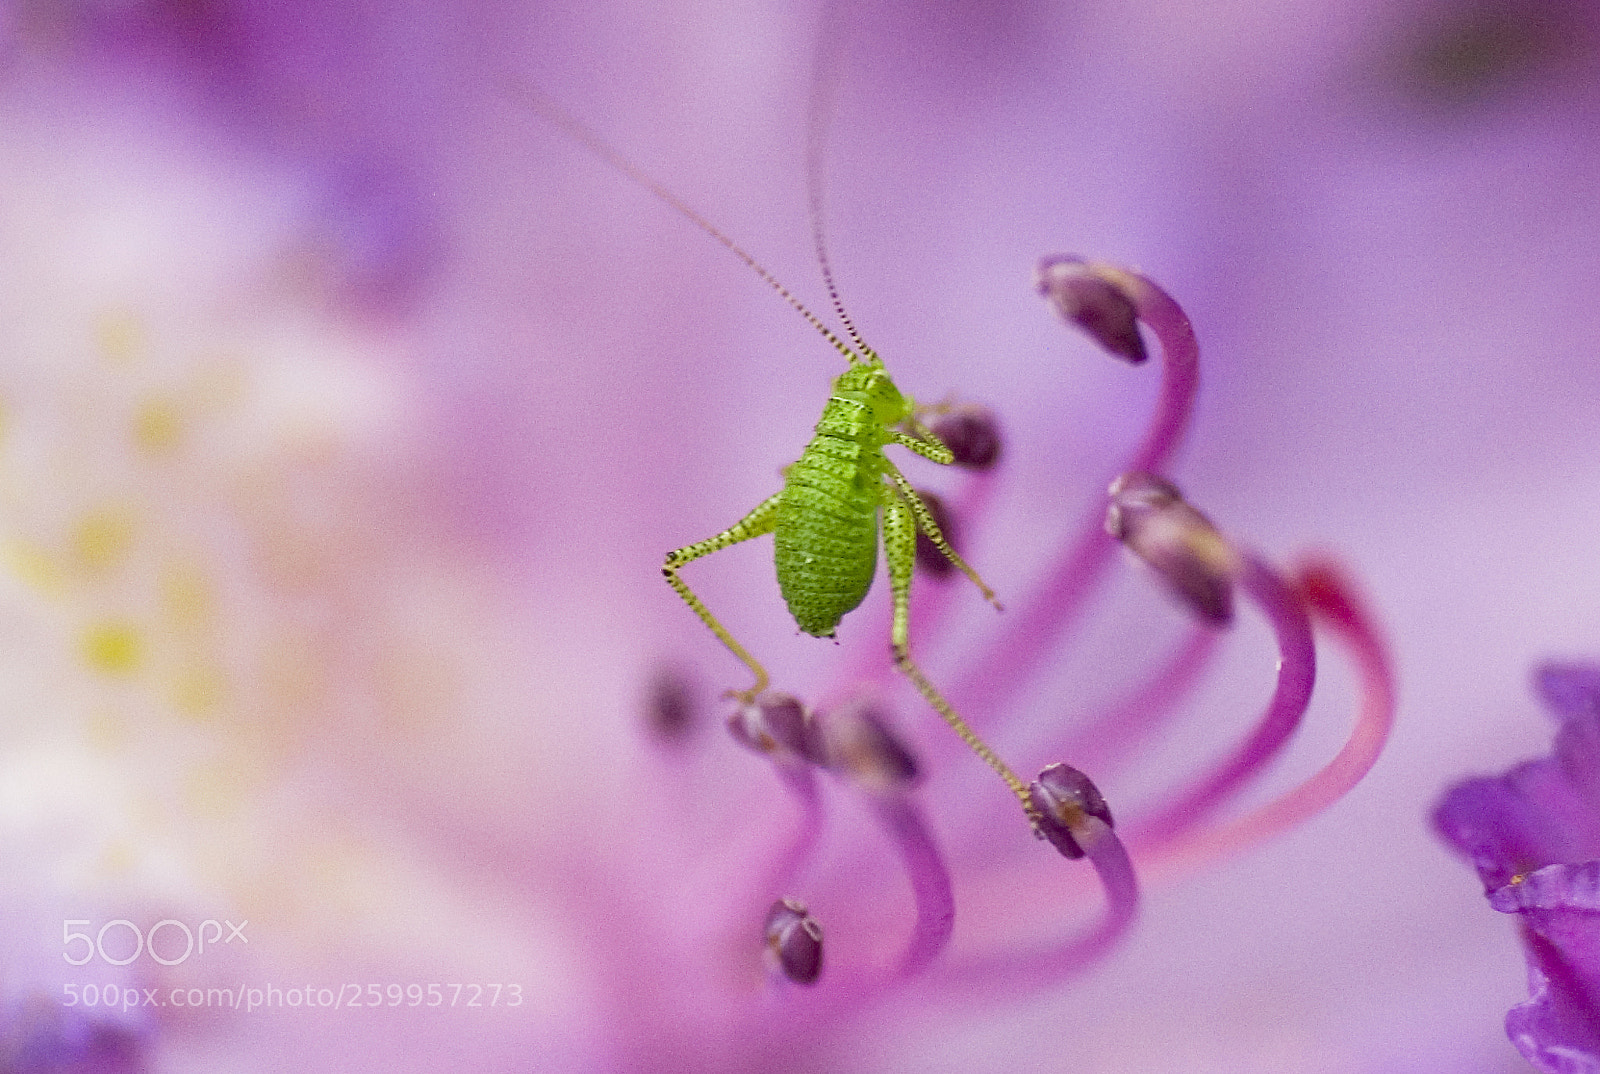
(827, 533)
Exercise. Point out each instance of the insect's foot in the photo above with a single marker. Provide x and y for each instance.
(930, 560)
(778, 726)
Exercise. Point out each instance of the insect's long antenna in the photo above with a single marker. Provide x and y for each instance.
(824, 81)
(526, 93)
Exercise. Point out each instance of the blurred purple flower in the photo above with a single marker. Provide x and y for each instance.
(348, 411)
(1534, 836)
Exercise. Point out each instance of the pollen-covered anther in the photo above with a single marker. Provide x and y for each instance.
(779, 726)
(794, 941)
(1092, 297)
(1063, 797)
(860, 746)
(972, 433)
(1151, 518)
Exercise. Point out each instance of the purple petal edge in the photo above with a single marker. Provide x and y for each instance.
(1558, 1028)
(1555, 887)
(1569, 690)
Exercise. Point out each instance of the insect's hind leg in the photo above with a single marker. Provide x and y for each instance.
(758, 522)
(900, 548)
(924, 519)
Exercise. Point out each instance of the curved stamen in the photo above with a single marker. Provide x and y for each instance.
(1075, 819)
(779, 727)
(1180, 370)
(1340, 610)
(930, 881)
(1297, 663)
(864, 752)
(801, 784)
(1111, 862)
(1026, 639)
(1196, 564)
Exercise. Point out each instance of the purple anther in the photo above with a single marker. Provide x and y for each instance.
(1151, 518)
(1063, 797)
(777, 725)
(973, 436)
(861, 747)
(794, 941)
(1093, 299)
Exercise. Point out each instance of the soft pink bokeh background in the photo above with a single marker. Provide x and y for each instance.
(1393, 288)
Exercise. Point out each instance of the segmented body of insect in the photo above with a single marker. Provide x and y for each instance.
(825, 521)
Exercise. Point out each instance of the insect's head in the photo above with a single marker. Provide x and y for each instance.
(870, 383)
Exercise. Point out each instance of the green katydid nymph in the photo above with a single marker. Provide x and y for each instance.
(842, 490)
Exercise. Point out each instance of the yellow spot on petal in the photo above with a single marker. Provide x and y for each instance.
(120, 335)
(157, 426)
(102, 539)
(112, 647)
(33, 566)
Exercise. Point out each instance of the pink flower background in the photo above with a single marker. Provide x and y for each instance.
(439, 390)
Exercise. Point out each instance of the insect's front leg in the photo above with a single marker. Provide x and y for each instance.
(760, 521)
(925, 444)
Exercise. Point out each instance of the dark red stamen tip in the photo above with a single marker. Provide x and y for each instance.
(794, 941)
(1095, 302)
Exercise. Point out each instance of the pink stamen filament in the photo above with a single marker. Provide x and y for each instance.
(1051, 966)
(1297, 663)
(1340, 610)
(777, 878)
(1027, 637)
(930, 881)
(802, 784)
